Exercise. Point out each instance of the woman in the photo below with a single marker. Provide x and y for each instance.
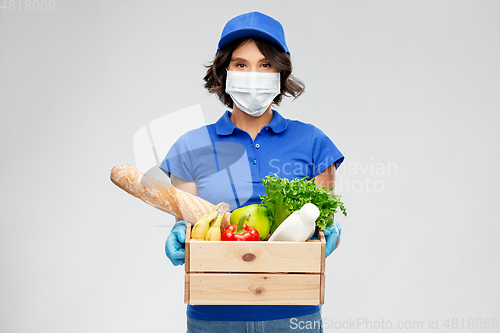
(227, 161)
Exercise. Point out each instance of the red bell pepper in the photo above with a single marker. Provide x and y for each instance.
(240, 232)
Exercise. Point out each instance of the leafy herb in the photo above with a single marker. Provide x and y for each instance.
(286, 196)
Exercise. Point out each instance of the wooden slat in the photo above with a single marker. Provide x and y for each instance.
(186, 288)
(323, 253)
(187, 244)
(256, 257)
(323, 249)
(187, 262)
(322, 290)
(261, 289)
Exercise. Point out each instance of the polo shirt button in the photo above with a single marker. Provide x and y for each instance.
(254, 162)
(257, 146)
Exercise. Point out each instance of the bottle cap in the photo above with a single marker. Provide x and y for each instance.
(309, 212)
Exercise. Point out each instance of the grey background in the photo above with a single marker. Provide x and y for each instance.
(408, 90)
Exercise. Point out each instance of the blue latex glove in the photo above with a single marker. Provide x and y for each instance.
(174, 247)
(332, 234)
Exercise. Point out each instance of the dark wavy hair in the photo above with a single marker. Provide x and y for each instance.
(215, 79)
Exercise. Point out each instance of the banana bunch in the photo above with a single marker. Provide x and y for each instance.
(214, 232)
(208, 226)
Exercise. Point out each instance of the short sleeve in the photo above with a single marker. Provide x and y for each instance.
(325, 153)
(178, 160)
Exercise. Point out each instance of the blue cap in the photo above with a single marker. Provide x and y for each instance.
(253, 24)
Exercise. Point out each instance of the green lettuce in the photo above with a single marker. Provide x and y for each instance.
(286, 196)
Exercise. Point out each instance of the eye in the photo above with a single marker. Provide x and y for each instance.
(240, 65)
(266, 65)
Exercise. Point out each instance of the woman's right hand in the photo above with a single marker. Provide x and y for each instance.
(174, 247)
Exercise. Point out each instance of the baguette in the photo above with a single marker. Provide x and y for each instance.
(163, 195)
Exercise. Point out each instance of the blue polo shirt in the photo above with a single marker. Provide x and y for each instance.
(227, 165)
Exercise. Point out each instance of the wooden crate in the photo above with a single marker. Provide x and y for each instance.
(256, 273)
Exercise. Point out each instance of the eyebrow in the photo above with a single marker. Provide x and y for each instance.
(242, 59)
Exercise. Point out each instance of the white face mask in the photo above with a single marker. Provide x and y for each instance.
(252, 92)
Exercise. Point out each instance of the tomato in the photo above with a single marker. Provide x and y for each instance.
(258, 218)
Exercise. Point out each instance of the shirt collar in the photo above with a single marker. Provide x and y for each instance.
(224, 126)
(278, 124)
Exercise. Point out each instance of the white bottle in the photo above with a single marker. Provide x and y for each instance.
(299, 226)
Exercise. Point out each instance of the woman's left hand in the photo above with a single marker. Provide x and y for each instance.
(332, 235)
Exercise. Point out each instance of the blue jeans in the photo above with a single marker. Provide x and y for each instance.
(310, 323)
